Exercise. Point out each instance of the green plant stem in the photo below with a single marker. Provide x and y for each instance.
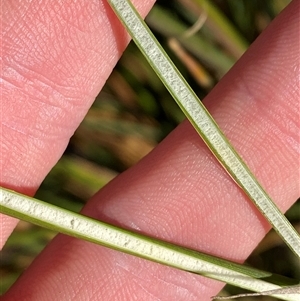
(203, 121)
(80, 226)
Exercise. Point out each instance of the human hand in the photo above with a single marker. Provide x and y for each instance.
(181, 195)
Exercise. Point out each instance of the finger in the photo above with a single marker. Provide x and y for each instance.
(55, 59)
(179, 192)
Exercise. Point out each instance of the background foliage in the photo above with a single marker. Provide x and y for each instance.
(134, 112)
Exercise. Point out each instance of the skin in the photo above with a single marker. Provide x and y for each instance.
(55, 61)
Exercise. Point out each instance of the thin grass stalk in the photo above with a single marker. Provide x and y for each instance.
(203, 122)
(86, 228)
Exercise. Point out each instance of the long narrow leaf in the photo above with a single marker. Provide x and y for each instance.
(77, 225)
(203, 121)
(295, 289)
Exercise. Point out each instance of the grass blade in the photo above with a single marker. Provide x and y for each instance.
(284, 291)
(80, 226)
(195, 44)
(203, 122)
(219, 25)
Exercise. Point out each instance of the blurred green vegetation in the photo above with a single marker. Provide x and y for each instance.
(134, 112)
